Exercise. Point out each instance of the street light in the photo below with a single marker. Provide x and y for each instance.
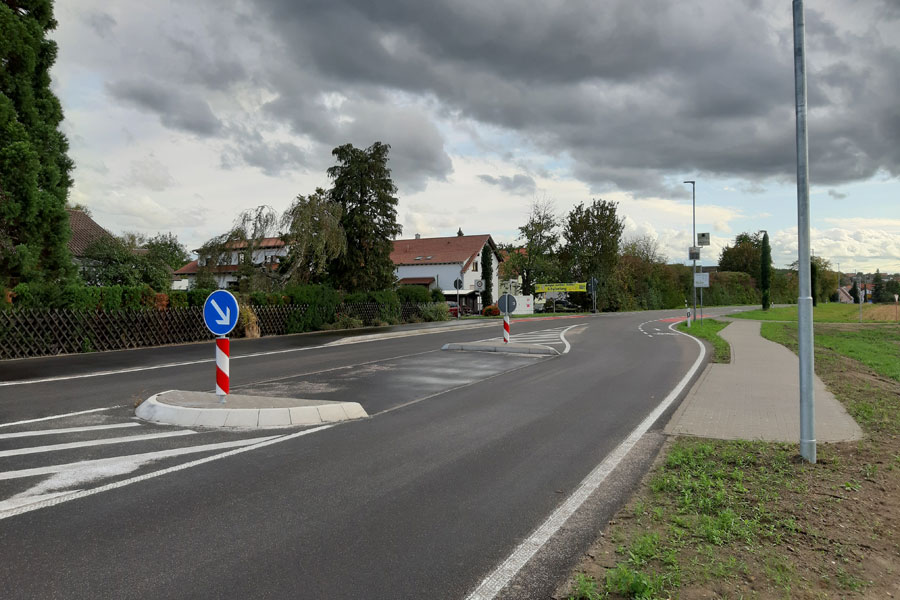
(694, 241)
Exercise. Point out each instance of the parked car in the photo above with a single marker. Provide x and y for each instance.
(453, 307)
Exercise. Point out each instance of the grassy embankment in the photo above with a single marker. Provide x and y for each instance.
(831, 312)
(737, 519)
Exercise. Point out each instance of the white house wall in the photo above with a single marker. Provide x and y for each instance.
(446, 274)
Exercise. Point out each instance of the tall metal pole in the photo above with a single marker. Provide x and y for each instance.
(804, 301)
(694, 242)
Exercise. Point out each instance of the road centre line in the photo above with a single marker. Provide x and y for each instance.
(102, 442)
(62, 416)
(145, 457)
(500, 577)
(118, 484)
(21, 434)
(373, 338)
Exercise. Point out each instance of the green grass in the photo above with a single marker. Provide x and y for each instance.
(876, 347)
(831, 312)
(709, 329)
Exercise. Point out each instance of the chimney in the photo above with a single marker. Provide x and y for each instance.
(459, 233)
(418, 236)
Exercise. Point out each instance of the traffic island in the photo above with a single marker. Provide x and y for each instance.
(203, 409)
(495, 346)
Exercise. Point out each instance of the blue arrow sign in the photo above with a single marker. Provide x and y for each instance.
(220, 312)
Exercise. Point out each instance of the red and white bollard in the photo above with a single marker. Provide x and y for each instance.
(222, 348)
(506, 329)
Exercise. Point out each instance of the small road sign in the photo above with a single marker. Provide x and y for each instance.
(220, 312)
(457, 285)
(479, 285)
(701, 280)
(506, 304)
(703, 239)
(694, 253)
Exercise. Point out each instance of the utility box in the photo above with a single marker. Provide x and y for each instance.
(524, 305)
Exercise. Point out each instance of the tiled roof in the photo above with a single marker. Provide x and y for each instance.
(272, 242)
(192, 267)
(416, 281)
(85, 231)
(457, 249)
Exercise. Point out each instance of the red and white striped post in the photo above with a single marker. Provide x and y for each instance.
(506, 328)
(222, 348)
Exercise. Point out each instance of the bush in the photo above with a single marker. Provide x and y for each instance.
(197, 297)
(320, 302)
(491, 311)
(388, 304)
(437, 311)
(178, 299)
(437, 295)
(345, 321)
(111, 298)
(248, 324)
(413, 294)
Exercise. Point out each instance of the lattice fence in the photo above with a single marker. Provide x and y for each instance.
(26, 333)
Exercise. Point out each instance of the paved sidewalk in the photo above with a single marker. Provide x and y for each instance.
(756, 397)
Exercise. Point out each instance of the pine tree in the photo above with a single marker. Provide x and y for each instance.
(854, 292)
(364, 190)
(487, 275)
(765, 271)
(34, 166)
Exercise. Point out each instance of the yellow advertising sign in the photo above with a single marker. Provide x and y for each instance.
(560, 287)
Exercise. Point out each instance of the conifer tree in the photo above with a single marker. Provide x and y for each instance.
(34, 167)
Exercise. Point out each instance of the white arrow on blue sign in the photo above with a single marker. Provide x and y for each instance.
(220, 312)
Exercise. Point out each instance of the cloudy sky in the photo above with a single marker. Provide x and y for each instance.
(182, 114)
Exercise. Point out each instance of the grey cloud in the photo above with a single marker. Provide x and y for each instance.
(177, 109)
(836, 194)
(101, 22)
(273, 159)
(517, 184)
(633, 91)
(150, 173)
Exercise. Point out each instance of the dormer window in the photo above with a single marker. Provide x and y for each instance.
(419, 258)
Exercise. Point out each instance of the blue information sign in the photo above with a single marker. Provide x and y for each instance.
(220, 312)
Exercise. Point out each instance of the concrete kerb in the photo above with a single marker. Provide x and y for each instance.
(508, 348)
(202, 409)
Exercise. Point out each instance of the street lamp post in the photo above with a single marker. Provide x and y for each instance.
(694, 242)
(804, 300)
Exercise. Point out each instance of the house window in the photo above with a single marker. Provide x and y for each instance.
(475, 266)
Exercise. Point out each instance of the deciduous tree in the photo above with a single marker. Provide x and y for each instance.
(312, 229)
(593, 235)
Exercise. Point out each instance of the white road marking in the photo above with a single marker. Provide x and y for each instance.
(504, 573)
(104, 442)
(565, 341)
(93, 465)
(118, 484)
(71, 414)
(21, 434)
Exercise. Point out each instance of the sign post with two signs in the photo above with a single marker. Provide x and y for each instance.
(506, 304)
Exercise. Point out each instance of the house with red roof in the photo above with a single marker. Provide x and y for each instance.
(269, 251)
(436, 263)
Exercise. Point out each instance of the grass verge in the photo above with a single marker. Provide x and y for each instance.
(831, 312)
(738, 519)
(708, 329)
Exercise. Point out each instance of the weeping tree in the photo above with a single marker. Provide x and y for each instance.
(312, 229)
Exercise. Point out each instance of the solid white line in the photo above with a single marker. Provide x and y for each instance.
(124, 482)
(372, 338)
(504, 573)
(562, 336)
(71, 414)
(73, 445)
(20, 434)
(145, 457)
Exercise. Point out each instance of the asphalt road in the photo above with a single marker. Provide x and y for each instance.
(463, 456)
